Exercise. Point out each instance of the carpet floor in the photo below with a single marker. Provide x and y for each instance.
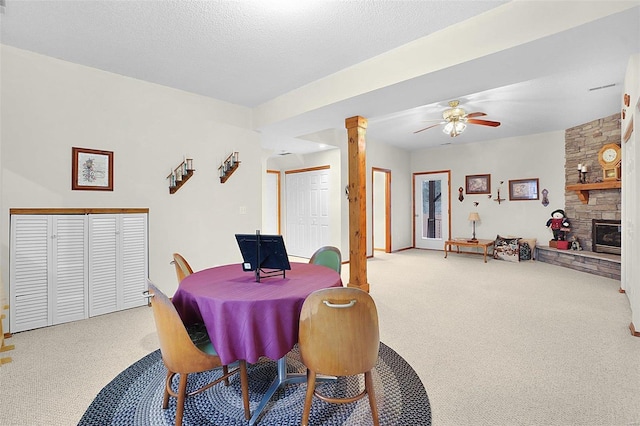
(134, 397)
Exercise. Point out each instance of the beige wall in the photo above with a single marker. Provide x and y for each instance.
(537, 156)
(49, 106)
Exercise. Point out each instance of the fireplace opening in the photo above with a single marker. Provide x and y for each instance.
(606, 236)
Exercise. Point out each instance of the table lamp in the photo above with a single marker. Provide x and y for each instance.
(474, 217)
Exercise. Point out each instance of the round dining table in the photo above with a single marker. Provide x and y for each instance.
(246, 319)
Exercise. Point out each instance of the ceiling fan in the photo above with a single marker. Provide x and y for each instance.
(456, 120)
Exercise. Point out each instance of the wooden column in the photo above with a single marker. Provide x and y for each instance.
(356, 129)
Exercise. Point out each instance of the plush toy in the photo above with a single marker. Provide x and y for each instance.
(559, 224)
(575, 244)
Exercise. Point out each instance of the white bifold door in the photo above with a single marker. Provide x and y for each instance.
(48, 271)
(117, 262)
(72, 266)
(307, 201)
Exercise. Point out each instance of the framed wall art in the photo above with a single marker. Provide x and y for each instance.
(91, 169)
(478, 184)
(523, 189)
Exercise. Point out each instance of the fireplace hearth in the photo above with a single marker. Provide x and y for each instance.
(606, 236)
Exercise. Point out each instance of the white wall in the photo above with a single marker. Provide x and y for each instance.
(537, 156)
(397, 160)
(630, 279)
(329, 158)
(49, 106)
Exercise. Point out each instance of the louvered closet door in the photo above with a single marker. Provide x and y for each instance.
(29, 272)
(103, 255)
(134, 259)
(69, 269)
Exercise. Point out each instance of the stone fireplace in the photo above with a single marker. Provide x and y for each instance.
(606, 236)
(592, 202)
(582, 144)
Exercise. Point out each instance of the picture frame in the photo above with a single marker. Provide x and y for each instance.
(523, 189)
(91, 169)
(478, 184)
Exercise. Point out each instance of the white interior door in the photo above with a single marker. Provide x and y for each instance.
(431, 201)
(307, 201)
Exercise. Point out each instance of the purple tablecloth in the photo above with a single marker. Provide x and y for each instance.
(246, 319)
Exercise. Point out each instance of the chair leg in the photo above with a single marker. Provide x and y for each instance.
(165, 400)
(182, 395)
(368, 385)
(311, 386)
(225, 371)
(244, 384)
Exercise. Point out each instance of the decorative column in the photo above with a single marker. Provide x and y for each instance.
(356, 129)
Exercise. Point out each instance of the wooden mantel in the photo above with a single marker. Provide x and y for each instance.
(582, 189)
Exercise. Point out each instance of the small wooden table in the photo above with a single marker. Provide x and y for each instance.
(484, 244)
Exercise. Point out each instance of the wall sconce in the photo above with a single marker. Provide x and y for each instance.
(228, 166)
(180, 175)
(474, 217)
(498, 199)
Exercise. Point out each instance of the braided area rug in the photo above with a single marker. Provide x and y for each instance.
(134, 397)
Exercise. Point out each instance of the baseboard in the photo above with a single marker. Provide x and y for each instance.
(402, 249)
(633, 330)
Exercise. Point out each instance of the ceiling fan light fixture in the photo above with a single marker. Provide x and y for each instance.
(454, 128)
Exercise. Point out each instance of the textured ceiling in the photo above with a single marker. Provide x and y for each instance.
(244, 52)
(252, 52)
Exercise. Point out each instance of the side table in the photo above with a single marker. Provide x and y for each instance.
(460, 242)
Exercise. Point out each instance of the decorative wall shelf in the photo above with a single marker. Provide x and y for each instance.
(229, 166)
(180, 175)
(582, 189)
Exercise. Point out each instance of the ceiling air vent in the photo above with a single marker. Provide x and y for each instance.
(602, 87)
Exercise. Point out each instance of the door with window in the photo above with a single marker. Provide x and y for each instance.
(431, 209)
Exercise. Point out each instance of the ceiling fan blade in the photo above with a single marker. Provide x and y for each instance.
(475, 114)
(484, 122)
(426, 128)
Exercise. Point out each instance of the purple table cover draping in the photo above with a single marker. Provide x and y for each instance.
(246, 319)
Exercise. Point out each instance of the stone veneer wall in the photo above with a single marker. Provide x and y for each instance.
(582, 144)
(605, 265)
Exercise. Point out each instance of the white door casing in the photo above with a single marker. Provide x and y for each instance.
(431, 210)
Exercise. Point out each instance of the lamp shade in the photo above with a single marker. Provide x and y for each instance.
(474, 216)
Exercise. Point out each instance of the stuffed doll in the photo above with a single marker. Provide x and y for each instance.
(559, 224)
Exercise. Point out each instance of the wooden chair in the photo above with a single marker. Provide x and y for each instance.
(328, 256)
(3, 347)
(182, 356)
(182, 267)
(339, 337)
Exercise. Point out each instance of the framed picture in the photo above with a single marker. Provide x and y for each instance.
(91, 170)
(478, 184)
(523, 189)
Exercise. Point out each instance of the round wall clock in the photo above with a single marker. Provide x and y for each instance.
(609, 158)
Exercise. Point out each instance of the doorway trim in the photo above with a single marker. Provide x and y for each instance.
(278, 200)
(387, 209)
(413, 201)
